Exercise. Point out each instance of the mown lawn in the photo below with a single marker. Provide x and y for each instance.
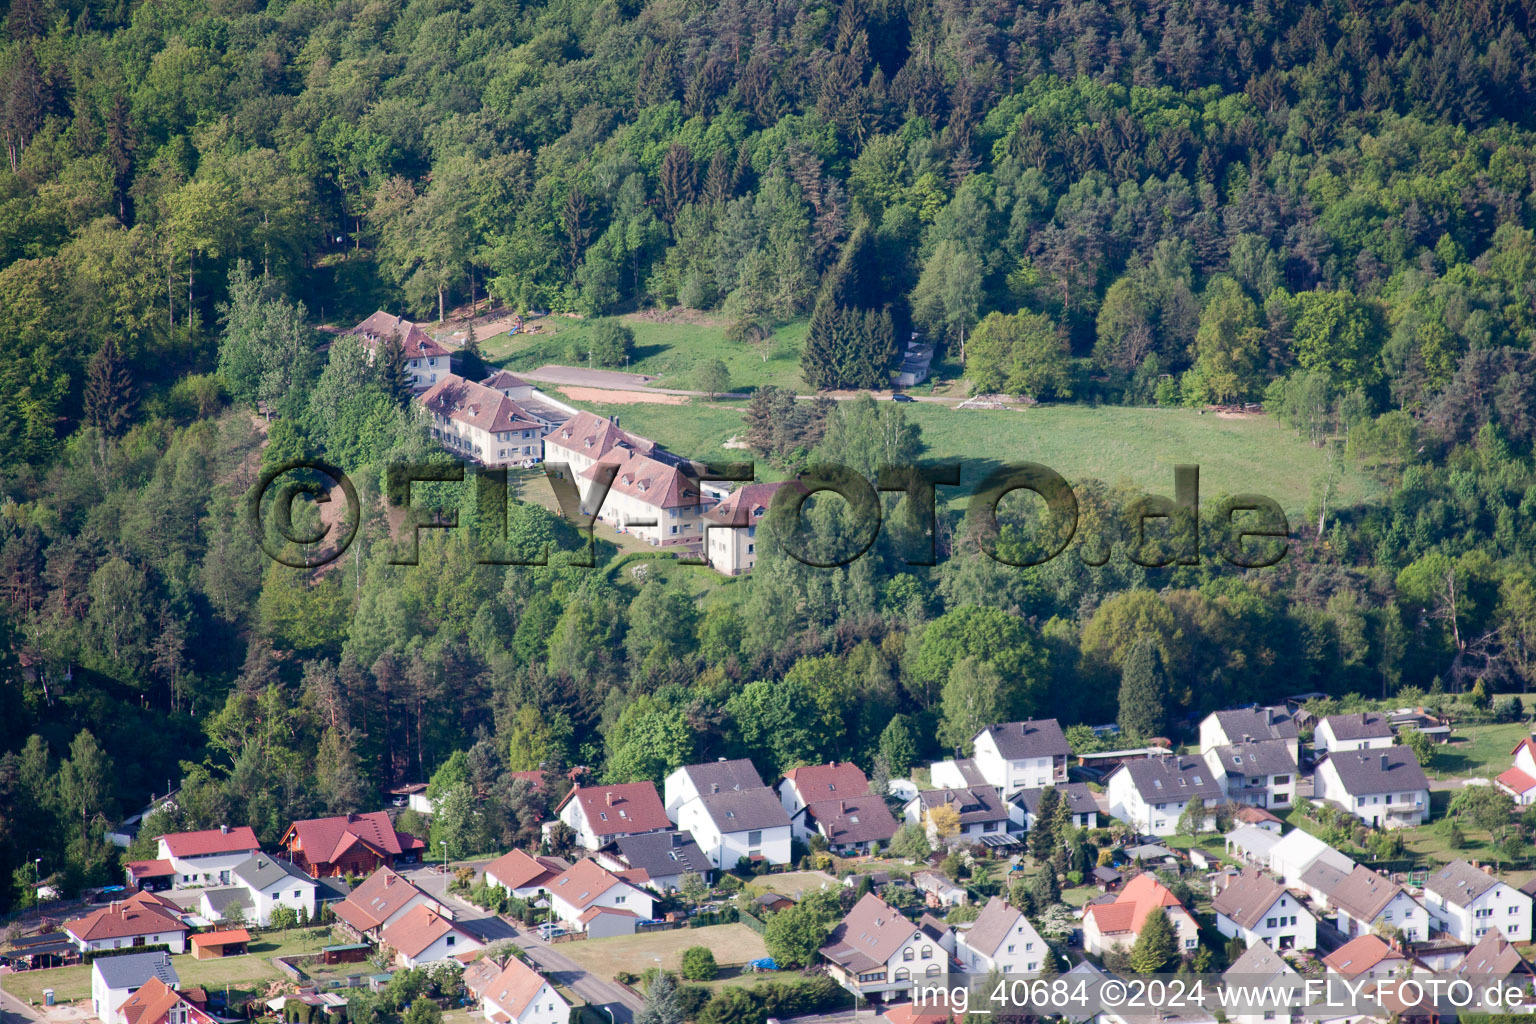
(1477, 751)
(733, 944)
(1139, 446)
(669, 351)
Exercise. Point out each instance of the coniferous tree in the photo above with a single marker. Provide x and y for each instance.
(394, 375)
(108, 390)
(1143, 692)
(1042, 837)
(1157, 944)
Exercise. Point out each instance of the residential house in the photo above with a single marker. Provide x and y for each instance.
(1022, 755)
(1248, 814)
(811, 783)
(722, 776)
(207, 857)
(1116, 923)
(1468, 902)
(586, 439)
(1249, 725)
(425, 935)
(1254, 907)
(736, 825)
(600, 814)
(523, 875)
(957, 773)
(225, 903)
(1261, 773)
(659, 860)
(425, 359)
(730, 528)
(979, 811)
(1366, 900)
(349, 844)
(482, 424)
(1151, 794)
(521, 995)
(1492, 961)
(1519, 780)
(852, 826)
(1383, 787)
(115, 978)
(1001, 938)
(272, 882)
(1298, 850)
(1362, 730)
(383, 898)
(1261, 969)
(1367, 957)
(158, 1003)
(1024, 806)
(143, 919)
(877, 953)
(584, 891)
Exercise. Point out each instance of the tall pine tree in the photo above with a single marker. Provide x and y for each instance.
(108, 390)
(1143, 692)
(394, 375)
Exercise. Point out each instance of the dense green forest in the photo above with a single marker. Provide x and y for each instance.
(1326, 207)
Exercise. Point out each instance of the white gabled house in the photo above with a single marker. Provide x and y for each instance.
(1519, 780)
(1363, 730)
(600, 814)
(425, 935)
(1117, 924)
(1468, 903)
(1022, 755)
(271, 882)
(209, 856)
(521, 995)
(737, 824)
(1249, 725)
(1024, 806)
(586, 887)
(1151, 794)
(1256, 908)
(710, 778)
(1261, 773)
(1383, 787)
(1366, 901)
(1001, 938)
(877, 953)
(115, 978)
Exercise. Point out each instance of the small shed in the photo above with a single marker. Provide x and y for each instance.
(1106, 878)
(212, 945)
(344, 953)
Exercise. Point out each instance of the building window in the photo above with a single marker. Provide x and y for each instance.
(755, 838)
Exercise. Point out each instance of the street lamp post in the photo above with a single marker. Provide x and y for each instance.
(444, 844)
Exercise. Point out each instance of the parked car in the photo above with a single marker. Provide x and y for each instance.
(899, 397)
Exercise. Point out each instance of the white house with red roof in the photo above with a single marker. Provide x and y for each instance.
(482, 424)
(878, 953)
(523, 875)
(383, 898)
(426, 360)
(817, 783)
(730, 528)
(425, 935)
(1519, 780)
(143, 919)
(1367, 957)
(601, 814)
(521, 995)
(1110, 925)
(158, 1003)
(207, 857)
(349, 844)
(586, 894)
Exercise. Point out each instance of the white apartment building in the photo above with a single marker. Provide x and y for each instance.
(426, 360)
(481, 423)
(1467, 903)
(1022, 755)
(1383, 787)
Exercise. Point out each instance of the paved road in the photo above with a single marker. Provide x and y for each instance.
(488, 928)
(14, 1011)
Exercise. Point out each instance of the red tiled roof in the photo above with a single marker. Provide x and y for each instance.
(514, 988)
(582, 883)
(122, 920)
(1359, 955)
(416, 342)
(376, 900)
(828, 781)
(154, 1001)
(210, 841)
(592, 912)
(228, 937)
(1135, 900)
(747, 504)
(594, 436)
(517, 870)
(419, 928)
(649, 480)
(476, 405)
(624, 808)
(138, 869)
(1516, 780)
(322, 839)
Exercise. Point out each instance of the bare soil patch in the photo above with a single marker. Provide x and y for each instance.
(580, 394)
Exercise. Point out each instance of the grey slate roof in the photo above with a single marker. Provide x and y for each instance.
(720, 776)
(855, 819)
(262, 871)
(1459, 883)
(966, 766)
(663, 854)
(1032, 738)
(1364, 893)
(1362, 725)
(1258, 964)
(1077, 795)
(1173, 779)
(740, 810)
(975, 804)
(134, 969)
(1260, 757)
(220, 900)
(1385, 770)
(995, 922)
(1323, 877)
(1257, 723)
(1247, 898)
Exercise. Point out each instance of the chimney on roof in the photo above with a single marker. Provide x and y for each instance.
(609, 794)
(224, 829)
